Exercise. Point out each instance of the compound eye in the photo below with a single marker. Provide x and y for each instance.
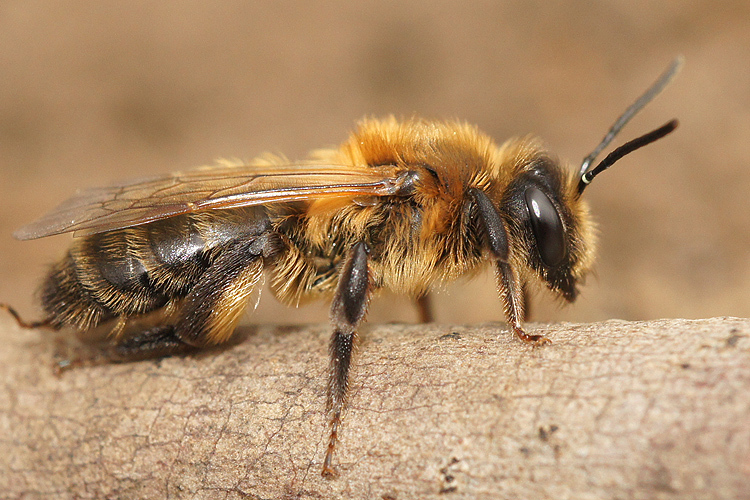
(547, 227)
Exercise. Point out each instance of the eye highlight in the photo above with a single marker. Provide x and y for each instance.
(546, 226)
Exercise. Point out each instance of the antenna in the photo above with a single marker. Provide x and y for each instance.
(654, 90)
(625, 149)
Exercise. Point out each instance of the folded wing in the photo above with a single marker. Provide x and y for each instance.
(220, 187)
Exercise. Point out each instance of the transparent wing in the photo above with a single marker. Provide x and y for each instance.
(220, 187)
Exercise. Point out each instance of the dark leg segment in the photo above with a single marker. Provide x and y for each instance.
(347, 311)
(526, 303)
(424, 308)
(511, 290)
(156, 342)
(511, 294)
(29, 325)
(208, 314)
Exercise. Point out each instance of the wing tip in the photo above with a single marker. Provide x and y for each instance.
(26, 233)
(22, 235)
(39, 229)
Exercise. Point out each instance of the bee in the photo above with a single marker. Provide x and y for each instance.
(400, 205)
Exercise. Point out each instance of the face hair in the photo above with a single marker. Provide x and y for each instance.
(634, 108)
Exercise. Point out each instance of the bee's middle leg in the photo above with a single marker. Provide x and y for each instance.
(207, 316)
(347, 311)
(424, 308)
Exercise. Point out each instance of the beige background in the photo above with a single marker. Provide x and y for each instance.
(95, 92)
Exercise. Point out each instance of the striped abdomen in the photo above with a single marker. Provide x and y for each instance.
(141, 269)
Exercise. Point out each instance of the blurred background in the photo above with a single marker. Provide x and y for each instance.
(97, 92)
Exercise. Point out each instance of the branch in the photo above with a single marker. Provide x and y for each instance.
(658, 409)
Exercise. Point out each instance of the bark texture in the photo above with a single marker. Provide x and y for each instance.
(651, 410)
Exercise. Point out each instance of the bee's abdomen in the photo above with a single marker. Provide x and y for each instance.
(67, 301)
(137, 270)
(108, 275)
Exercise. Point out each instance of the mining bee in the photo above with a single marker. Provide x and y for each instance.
(401, 205)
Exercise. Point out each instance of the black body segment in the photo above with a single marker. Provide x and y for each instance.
(199, 262)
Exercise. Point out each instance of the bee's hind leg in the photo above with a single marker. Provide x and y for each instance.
(28, 325)
(157, 342)
(208, 315)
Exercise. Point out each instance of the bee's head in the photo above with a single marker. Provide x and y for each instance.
(547, 218)
(549, 225)
(553, 224)
(549, 221)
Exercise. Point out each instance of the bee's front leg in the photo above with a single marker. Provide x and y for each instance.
(496, 241)
(347, 311)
